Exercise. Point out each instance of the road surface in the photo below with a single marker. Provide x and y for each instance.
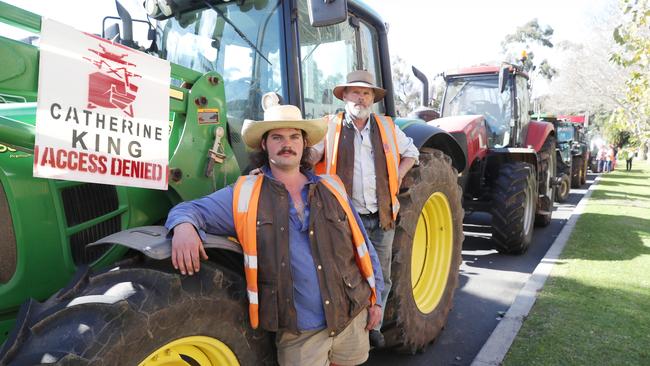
(488, 284)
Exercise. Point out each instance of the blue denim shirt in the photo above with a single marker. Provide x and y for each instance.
(213, 214)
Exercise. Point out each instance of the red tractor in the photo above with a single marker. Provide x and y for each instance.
(511, 160)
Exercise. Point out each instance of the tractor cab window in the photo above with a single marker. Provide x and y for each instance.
(523, 101)
(328, 54)
(480, 95)
(239, 40)
(565, 133)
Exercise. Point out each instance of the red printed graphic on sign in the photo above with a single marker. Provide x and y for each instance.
(112, 85)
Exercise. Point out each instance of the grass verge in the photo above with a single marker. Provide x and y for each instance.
(595, 306)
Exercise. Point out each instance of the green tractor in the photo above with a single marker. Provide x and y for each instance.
(572, 155)
(85, 275)
(581, 155)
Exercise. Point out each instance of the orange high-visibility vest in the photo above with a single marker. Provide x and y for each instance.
(389, 140)
(247, 191)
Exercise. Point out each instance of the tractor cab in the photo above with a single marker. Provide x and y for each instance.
(298, 49)
(498, 94)
(566, 136)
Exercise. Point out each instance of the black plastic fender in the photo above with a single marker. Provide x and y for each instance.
(425, 135)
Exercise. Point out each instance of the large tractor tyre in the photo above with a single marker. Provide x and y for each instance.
(142, 316)
(583, 180)
(426, 254)
(514, 202)
(577, 169)
(546, 173)
(563, 188)
(583, 176)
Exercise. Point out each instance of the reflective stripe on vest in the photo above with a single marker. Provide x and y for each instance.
(247, 191)
(328, 164)
(334, 184)
(389, 141)
(245, 217)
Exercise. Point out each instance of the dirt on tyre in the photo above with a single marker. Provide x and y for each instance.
(563, 188)
(547, 159)
(577, 171)
(513, 207)
(583, 177)
(426, 254)
(141, 316)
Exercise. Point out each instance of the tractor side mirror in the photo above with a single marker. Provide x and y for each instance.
(112, 32)
(503, 80)
(327, 12)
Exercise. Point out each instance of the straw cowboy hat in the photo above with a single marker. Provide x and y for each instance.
(363, 79)
(281, 116)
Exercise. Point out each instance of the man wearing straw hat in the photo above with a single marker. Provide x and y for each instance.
(371, 156)
(299, 233)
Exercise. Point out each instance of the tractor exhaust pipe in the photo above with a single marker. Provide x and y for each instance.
(425, 85)
(423, 112)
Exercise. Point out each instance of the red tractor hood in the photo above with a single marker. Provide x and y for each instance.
(469, 131)
(457, 123)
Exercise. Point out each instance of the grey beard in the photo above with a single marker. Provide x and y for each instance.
(362, 114)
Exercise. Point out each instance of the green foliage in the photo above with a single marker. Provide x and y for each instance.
(633, 39)
(546, 70)
(530, 32)
(593, 308)
(524, 38)
(406, 94)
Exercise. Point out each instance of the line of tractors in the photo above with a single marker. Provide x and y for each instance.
(85, 276)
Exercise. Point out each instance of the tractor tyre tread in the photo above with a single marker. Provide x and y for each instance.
(576, 172)
(509, 209)
(406, 329)
(119, 317)
(546, 171)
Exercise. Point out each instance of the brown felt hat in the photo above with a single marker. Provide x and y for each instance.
(361, 78)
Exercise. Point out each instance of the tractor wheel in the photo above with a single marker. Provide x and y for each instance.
(577, 171)
(546, 173)
(142, 316)
(513, 207)
(563, 188)
(426, 254)
(583, 176)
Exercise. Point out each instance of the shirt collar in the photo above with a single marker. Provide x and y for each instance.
(311, 177)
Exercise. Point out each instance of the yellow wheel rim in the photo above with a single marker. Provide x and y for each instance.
(433, 247)
(204, 351)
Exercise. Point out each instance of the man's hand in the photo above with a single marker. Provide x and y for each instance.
(187, 249)
(374, 316)
(404, 166)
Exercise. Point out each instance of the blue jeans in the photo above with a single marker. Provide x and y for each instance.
(383, 243)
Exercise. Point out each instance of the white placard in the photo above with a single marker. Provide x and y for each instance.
(102, 112)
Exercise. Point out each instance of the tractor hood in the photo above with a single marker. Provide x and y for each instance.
(469, 131)
(458, 123)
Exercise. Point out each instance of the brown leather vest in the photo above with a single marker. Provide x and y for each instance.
(344, 291)
(345, 169)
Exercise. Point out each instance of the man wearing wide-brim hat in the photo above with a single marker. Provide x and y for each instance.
(371, 155)
(310, 275)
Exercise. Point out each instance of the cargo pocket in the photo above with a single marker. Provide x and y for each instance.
(336, 215)
(268, 306)
(357, 290)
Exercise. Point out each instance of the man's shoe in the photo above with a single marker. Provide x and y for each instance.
(377, 339)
